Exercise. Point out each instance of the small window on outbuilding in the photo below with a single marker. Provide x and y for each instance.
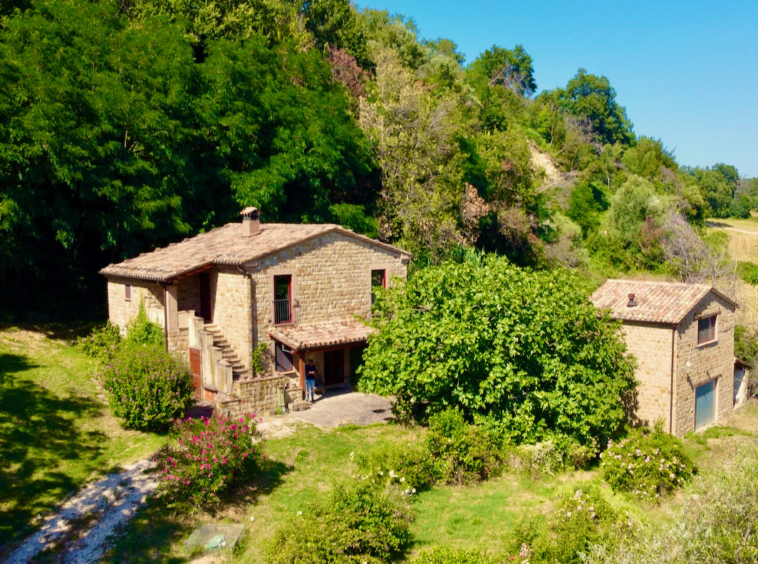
(128, 292)
(706, 330)
(378, 280)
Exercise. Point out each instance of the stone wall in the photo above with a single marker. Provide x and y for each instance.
(258, 396)
(231, 305)
(331, 280)
(121, 310)
(188, 298)
(697, 365)
(651, 345)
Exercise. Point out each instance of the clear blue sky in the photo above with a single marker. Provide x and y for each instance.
(686, 71)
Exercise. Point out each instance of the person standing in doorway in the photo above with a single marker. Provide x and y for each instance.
(310, 380)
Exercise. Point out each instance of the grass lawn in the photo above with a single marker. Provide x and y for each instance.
(305, 464)
(55, 429)
(743, 237)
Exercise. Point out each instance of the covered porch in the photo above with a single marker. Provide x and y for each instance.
(336, 348)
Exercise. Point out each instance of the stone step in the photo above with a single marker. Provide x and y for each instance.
(299, 405)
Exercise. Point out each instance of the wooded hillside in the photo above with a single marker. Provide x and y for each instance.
(128, 124)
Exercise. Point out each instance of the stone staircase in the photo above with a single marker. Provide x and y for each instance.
(227, 351)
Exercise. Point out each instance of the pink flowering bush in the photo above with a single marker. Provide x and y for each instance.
(647, 463)
(147, 387)
(209, 456)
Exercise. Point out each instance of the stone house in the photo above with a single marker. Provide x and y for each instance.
(682, 336)
(297, 291)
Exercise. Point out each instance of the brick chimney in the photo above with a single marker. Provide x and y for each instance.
(251, 221)
(632, 302)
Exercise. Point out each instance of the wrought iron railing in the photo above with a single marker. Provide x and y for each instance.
(282, 311)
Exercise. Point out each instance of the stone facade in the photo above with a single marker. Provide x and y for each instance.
(695, 365)
(331, 280)
(121, 310)
(652, 345)
(231, 306)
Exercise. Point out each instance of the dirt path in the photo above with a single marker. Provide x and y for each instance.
(80, 530)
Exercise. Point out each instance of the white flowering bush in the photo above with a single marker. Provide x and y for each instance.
(407, 467)
(716, 523)
(647, 463)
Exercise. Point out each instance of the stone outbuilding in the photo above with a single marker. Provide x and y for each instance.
(682, 336)
(296, 291)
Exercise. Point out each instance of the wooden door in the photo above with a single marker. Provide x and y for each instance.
(705, 404)
(205, 297)
(334, 372)
(196, 370)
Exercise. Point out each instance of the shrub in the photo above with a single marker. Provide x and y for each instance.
(409, 467)
(748, 271)
(716, 523)
(210, 455)
(357, 523)
(462, 452)
(147, 387)
(646, 463)
(525, 346)
(444, 555)
(143, 332)
(102, 343)
(582, 518)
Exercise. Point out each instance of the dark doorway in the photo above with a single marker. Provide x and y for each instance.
(284, 359)
(205, 297)
(334, 372)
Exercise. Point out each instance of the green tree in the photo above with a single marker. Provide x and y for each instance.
(586, 204)
(593, 97)
(631, 207)
(414, 135)
(527, 348)
(507, 68)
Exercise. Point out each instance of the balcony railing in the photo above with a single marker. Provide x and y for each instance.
(282, 312)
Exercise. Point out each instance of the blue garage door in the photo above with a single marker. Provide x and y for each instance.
(705, 404)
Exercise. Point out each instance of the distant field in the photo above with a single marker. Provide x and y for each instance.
(743, 237)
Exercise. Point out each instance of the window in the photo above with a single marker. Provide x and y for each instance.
(128, 292)
(284, 358)
(378, 280)
(283, 299)
(706, 330)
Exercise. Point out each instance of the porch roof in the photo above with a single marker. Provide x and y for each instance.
(318, 336)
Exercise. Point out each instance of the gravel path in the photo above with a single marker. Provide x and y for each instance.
(99, 508)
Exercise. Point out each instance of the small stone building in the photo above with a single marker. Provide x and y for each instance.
(300, 290)
(682, 336)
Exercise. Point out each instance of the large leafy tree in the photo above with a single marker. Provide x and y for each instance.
(525, 347)
(96, 137)
(593, 97)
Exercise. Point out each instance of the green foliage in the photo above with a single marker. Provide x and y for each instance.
(745, 344)
(586, 204)
(444, 555)
(490, 338)
(259, 353)
(646, 463)
(355, 218)
(636, 201)
(355, 523)
(141, 332)
(582, 519)
(593, 97)
(409, 467)
(462, 453)
(209, 457)
(102, 343)
(716, 523)
(147, 388)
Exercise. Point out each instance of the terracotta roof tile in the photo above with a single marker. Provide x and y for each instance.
(224, 245)
(317, 336)
(657, 302)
